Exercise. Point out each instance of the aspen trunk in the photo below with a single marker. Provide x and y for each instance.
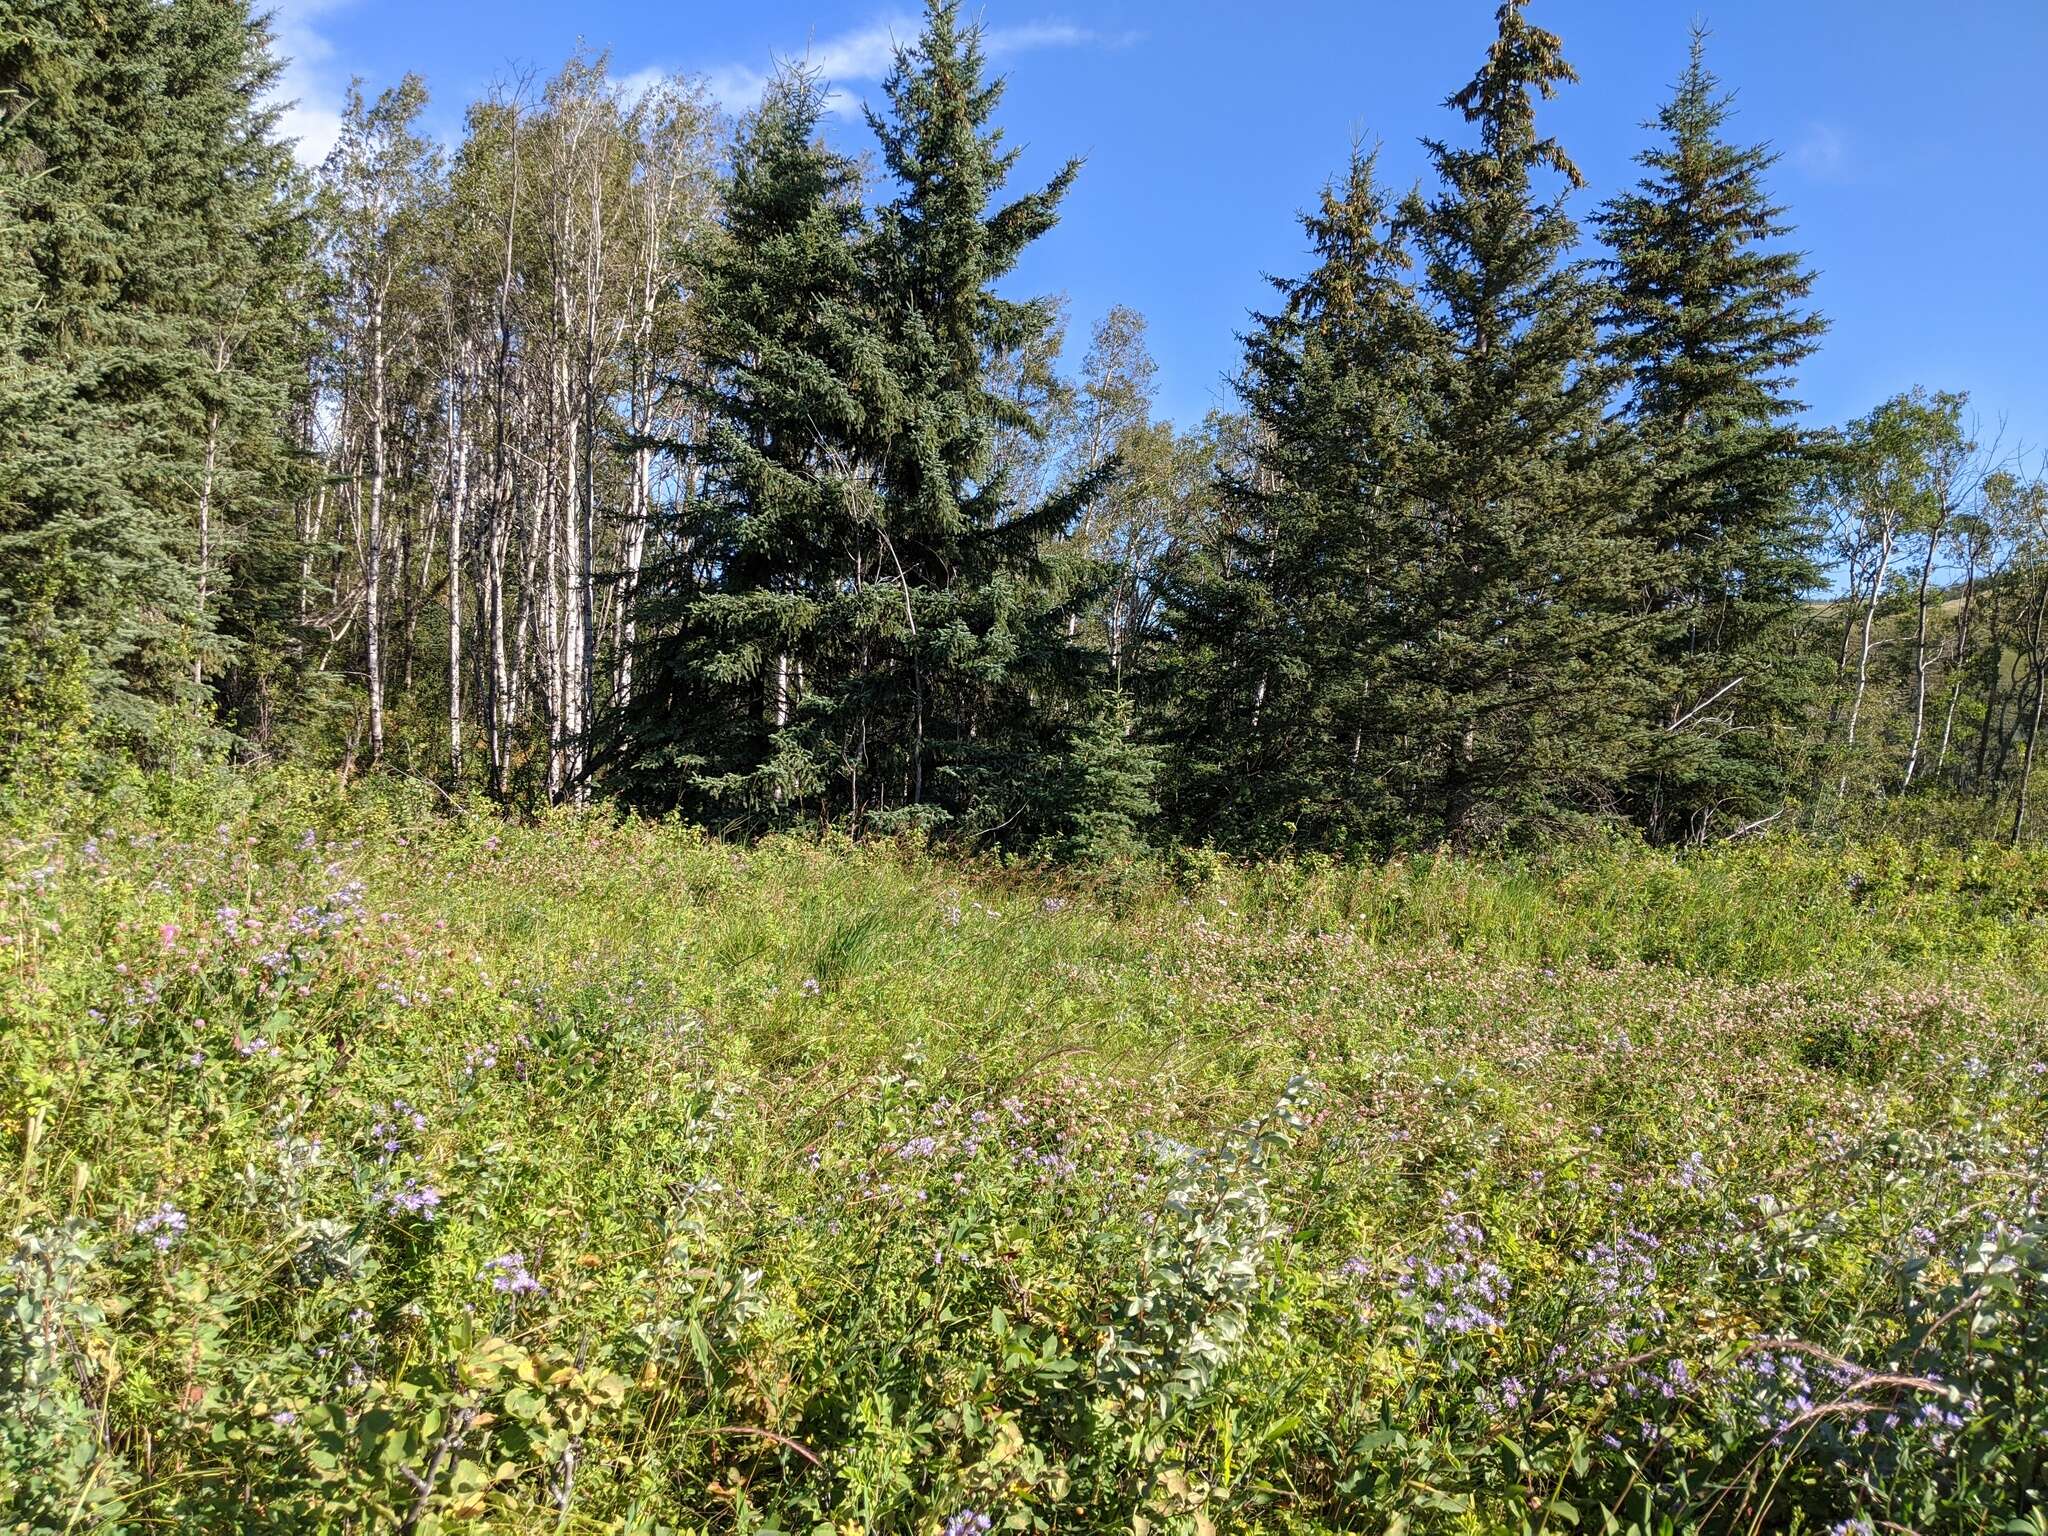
(1921, 659)
(373, 563)
(457, 504)
(586, 588)
(205, 535)
(1884, 560)
(502, 500)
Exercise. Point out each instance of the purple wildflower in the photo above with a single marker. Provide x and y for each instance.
(509, 1276)
(162, 1226)
(416, 1199)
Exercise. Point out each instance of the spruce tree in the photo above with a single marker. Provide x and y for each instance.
(260, 314)
(1291, 686)
(973, 682)
(1537, 679)
(147, 213)
(745, 705)
(1707, 317)
(859, 622)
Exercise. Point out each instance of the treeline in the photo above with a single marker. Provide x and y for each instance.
(621, 450)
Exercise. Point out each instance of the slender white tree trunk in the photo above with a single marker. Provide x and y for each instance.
(586, 576)
(205, 538)
(458, 500)
(1922, 657)
(373, 564)
(1884, 562)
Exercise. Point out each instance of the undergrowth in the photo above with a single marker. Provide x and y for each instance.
(373, 1166)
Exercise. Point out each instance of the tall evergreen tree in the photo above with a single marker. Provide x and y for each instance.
(1539, 677)
(739, 708)
(1707, 317)
(861, 624)
(975, 679)
(1292, 681)
(146, 211)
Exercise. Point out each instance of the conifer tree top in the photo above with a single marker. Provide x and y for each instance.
(1525, 61)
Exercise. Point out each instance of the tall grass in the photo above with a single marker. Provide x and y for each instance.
(374, 1165)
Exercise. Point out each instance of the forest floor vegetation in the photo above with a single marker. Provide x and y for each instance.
(373, 1166)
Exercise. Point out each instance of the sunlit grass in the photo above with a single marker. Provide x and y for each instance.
(596, 1176)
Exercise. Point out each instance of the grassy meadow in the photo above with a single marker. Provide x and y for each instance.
(374, 1166)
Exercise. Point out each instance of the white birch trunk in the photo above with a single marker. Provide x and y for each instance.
(373, 561)
(458, 500)
(1884, 561)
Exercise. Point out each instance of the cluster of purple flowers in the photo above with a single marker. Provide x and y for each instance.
(1506, 1397)
(1941, 1421)
(415, 1199)
(1624, 1275)
(162, 1226)
(1787, 1385)
(509, 1276)
(1050, 1160)
(389, 1130)
(1459, 1292)
(1694, 1176)
(1675, 1380)
(969, 1522)
(317, 920)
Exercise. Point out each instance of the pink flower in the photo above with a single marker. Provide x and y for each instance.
(169, 934)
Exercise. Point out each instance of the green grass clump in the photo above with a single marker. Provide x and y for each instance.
(373, 1167)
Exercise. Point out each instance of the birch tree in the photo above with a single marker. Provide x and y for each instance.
(379, 179)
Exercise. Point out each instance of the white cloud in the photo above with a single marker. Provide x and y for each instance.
(864, 57)
(314, 84)
(1003, 42)
(641, 81)
(309, 82)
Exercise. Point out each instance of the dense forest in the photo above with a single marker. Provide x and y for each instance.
(623, 451)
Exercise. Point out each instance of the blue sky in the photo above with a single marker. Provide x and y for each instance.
(1915, 154)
